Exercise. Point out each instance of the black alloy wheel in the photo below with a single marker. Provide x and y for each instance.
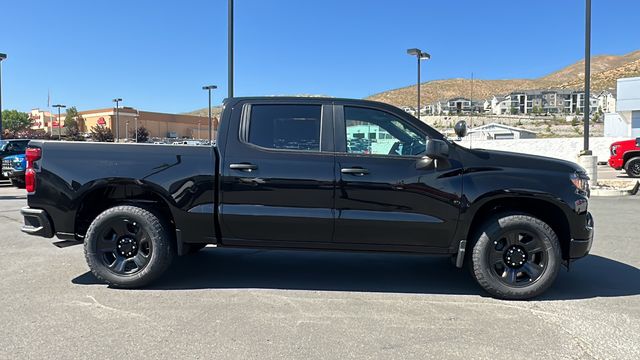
(518, 258)
(632, 167)
(124, 246)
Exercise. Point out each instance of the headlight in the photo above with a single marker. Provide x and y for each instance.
(614, 149)
(580, 181)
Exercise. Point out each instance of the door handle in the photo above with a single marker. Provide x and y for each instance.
(354, 171)
(243, 167)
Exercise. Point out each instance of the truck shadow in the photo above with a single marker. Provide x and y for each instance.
(593, 276)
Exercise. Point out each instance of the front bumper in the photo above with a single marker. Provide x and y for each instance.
(615, 163)
(13, 174)
(580, 247)
(36, 222)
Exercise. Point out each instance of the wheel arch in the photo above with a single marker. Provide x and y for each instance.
(629, 155)
(543, 209)
(102, 196)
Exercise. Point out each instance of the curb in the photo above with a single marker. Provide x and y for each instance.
(603, 192)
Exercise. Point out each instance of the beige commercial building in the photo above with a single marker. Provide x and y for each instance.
(159, 125)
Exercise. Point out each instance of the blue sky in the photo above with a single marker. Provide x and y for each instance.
(156, 55)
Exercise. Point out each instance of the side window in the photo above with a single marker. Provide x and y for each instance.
(285, 127)
(370, 131)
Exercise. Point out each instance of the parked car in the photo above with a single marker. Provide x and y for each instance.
(513, 219)
(626, 155)
(11, 147)
(13, 168)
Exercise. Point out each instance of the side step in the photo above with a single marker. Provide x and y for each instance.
(461, 250)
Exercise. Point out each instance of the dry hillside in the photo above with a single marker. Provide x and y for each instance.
(605, 70)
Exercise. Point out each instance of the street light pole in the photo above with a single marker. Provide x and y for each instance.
(420, 55)
(137, 115)
(2, 57)
(587, 77)
(209, 88)
(230, 47)
(117, 101)
(126, 132)
(59, 106)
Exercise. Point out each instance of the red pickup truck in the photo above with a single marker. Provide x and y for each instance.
(626, 155)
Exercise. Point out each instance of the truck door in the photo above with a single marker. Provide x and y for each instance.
(278, 174)
(382, 197)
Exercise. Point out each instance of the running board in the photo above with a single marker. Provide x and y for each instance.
(461, 250)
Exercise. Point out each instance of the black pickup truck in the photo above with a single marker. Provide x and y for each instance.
(313, 173)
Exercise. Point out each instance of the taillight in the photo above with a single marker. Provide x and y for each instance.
(32, 155)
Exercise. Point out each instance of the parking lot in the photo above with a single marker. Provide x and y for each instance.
(253, 304)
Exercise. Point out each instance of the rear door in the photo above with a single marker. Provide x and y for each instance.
(278, 180)
(382, 197)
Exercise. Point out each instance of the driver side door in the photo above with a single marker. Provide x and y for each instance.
(382, 197)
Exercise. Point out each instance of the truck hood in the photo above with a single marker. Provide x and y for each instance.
(524, 161)
(626, 143)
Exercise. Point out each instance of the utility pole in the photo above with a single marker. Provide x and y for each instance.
(117, 101)
(587, 77)
(2, 57)
(420, 55)
(230, 48)
(209, 88)
(59, 106)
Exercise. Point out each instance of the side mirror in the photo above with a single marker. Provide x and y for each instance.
(461, 128)
(638, 142)
(434, 150)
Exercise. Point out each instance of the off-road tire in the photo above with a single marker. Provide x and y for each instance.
(487, 239)
(632, 167)
(159, 241)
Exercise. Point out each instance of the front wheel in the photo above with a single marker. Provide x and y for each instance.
(516, 257)
(632, 167)
(128, 247)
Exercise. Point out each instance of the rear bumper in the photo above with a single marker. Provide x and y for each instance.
(36, 222)
(580, 247)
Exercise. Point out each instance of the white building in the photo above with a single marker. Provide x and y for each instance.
(606, 101)
(495, 131)
(626, 121)
(501, 105)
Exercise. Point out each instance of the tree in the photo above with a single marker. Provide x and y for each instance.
(514, 110)
(142, 132)
(101, 134)
(14, 121)
(72, 125)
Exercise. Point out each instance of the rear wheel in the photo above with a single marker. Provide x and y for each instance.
(128, 246)
(632, 167)
(516, 257)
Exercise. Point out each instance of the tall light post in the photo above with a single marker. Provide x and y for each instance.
(209, 88)
(59, 106)
(117, 101)
(137, 115)
(2, 57)
(126, 132)
(230, 47)
(420, 55)
(587, 77)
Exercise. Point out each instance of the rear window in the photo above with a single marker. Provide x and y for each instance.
(285, 127)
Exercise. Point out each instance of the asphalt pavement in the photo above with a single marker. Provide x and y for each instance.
(255, 304)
